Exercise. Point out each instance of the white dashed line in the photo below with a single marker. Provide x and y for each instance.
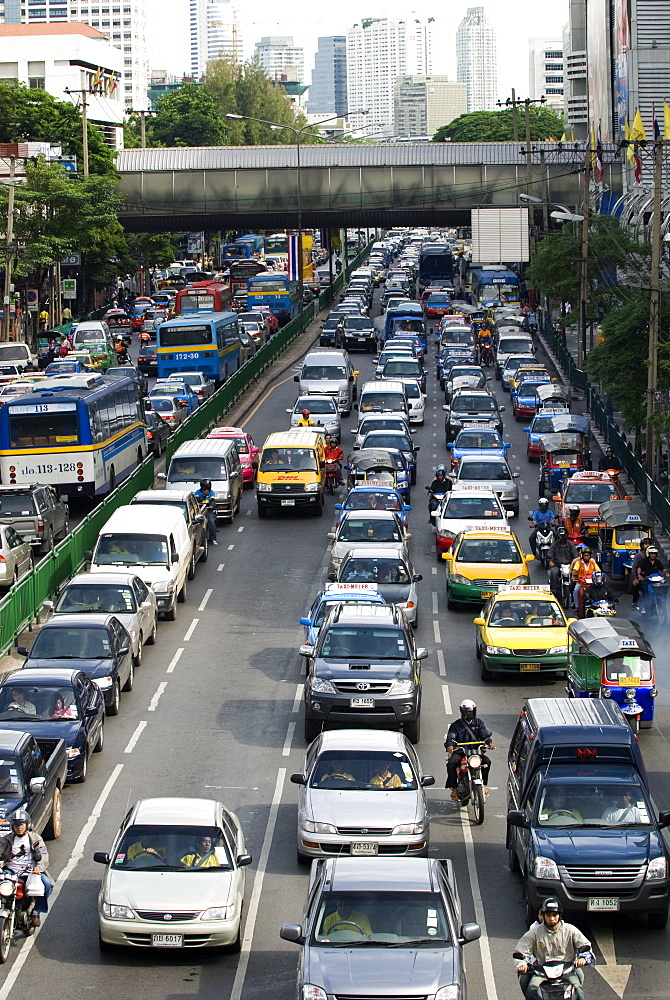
(241, 528)
(135, 737)
(175, 660)
(297, 701)
(436, 630)
(446, 699)
(525, 496)
(249, 513)
(480, 917)
(156, 698)
(434, 596)
(220, 567)
(440, 664)
(286, 749)
(434, 570)
(191, 629)
(203, 603)
(231, 547)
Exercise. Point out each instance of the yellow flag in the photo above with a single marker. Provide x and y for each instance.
(666, 120)
(564, 138)
(637, 133)
(629, 149)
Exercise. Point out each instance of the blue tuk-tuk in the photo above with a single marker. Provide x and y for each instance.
(626, 524)
(610, 658)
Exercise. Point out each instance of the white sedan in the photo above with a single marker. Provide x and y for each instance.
(365, 527)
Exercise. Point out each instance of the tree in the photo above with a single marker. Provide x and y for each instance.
(151, 249)
(498, 126)
(188, 116)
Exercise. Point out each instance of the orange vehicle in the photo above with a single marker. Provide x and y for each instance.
(588, 490)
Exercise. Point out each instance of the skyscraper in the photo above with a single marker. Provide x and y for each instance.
(425, 103)
(125, 24)
(280, 57)
(477, 60)
(379, 51)
(214, 33)
(546, 71)
(328, 92)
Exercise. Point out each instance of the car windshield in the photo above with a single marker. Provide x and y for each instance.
(481, 404)
(124, 548)
(363, 770)
(314, 405)
(381, 424)
(11, 352)
(513, 345)
(600, 805)
(288, 460)
(461, 371)
(45, 703)
(363, 642)
(526, 614)
(74, 643)
(391, 439)
(86, 335)
(595, 493)
(113, 599)
(172, 848)
(372, 500)
(488, 550)
(188, 470)
(315, 372)
(382, 401)
(193, 378)
(456, 336)
(399, 366)
(357, 323)
(372, 570)
(625, 669)
(11, 786)
(464, 507)
(369, 529)
(16, 505)
(479, 471)
(168, 389)
(629, 536)
(412, 390)
(475, 439)
(543, 425)
(388, 919)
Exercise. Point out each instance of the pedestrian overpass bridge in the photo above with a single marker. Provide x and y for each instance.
(257, 187)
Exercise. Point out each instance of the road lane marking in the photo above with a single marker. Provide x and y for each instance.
(241, 528)
(480, 916)
(436, 631)
(203, 603)
(231, 547)
(220, 567)
(75, 858)
(175, 660)
(286, 749)
(191, 629)
(447, 699)
(434, 595)
(135, 737)
(156, 698)
(263, 398)
(525, 496)
(254, 902)
(440, 664)
(615, 975)
(249, 512)
(298, 697)
(434, 570)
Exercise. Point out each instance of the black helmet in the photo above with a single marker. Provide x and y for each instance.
(598, 577)
(18, 817)
(561, 532)
(586, 552)
(205, 484)
(551, 905)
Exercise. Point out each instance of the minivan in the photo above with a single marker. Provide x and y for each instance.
(16, 353)
(292, 472)
(380, 396)
(329, 373)
(216, 459)
(516, 344)
(153, 542)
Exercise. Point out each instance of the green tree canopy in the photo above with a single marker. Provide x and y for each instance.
(187, 117)
(498, 126)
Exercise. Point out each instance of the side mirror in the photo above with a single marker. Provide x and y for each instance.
(501, 409)
(525, 430)
(298, 779)
(49, 605)
(331, 534)
(101, 858)
(92, 712)
(88, 555)
(306, 650)
(338, 506)
(515, 475)
(417, 577)
(243, 860)
(515, 817)
(478, 621)
(161, 475)
(530, 558)
(447, 556)
(444, 406)
(332, 577)
(417, 447)
(22, 651)
(289, 410)
(124, 650)
(664, 818)
(37, 784)
(421, 653)
(175, 559)
(305, 621)
(292, 932)
(427, 781)
(468, 933)
(296, 378)
(254, 466)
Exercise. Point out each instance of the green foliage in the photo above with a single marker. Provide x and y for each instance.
(34, 115)
(152, 249)
(498, 126)
(187, 117)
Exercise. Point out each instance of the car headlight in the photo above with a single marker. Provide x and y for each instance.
(104, 683)
(264, 487)
(321, 685)
(658, 868)
(73, 752)
(336, 560)
(519, 581)
(218, 913)
(457, 578)
(558, 649)
(408, 829)
(115, 911)
(401, 687)
(448, 993)
(498, 651)
(313, 993)
(312, 827)
(545, 868)
(311, 487)
(163, 587)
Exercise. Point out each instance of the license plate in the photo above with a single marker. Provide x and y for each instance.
(288, 503)
(592, 529)
(485, 594)
(602, 903)
(364, 849)
(167, 940)
(362, 703)
(529, 666)
(362, 340)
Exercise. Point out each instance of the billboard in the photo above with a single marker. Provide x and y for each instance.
(599, 63)
(621, 38)
(500, 235)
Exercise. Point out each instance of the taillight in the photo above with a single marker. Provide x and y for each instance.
(19, 890)
(40, 527)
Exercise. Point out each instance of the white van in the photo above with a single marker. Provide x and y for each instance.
(16, 353)
(328, 373)
(92, 331)
(387, 395)
(216, 459)
(154, 543)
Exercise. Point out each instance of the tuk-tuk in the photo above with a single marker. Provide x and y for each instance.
(553, 394)
(372, 465)
(562, 456)
(612, 659)
(577, 424)
(626, 523)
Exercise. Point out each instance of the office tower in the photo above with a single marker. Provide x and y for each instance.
(378, 51)
(425, 103)
(477, 60)
(214, 33)
(328, 92)
(281, 58)
(545, 71)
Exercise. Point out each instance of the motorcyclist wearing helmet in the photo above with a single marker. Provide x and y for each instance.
(468, 729)
(562, 553)
(553, 940)
(649, 565)
(23, 851)
(306, 420)
(609, 461)
(206, 497)
(440, 485)
(543, 515)
(573, 524)
(599, 590)
(333, 453)
(581, 571)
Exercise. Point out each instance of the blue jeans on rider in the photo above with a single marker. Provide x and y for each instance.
(211, 523)
(575, 594)
(41, 902)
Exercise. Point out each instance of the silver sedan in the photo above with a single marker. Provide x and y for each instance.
(15, 557)
(365, 527)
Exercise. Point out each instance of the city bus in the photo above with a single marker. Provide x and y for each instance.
(236, 251)
(241, 271)
(254, 241)
(436, 265)
(494, 284)
(203, 296)
(276, 245)
(207, 343)
(82, 435)
(273, 289)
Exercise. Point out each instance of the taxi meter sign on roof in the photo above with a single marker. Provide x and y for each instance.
(515, 588)
(358, 587)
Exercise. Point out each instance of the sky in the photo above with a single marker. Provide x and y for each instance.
(514, 21)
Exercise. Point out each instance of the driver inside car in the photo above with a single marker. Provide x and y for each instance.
(345, 917)
(559, 805)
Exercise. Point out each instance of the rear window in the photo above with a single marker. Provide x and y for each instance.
(516, 345)
(17, 505)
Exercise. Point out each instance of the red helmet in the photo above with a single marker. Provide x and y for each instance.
(305, 413)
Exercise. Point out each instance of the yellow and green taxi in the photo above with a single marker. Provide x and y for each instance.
(87, 359)
(102, 355)
(481, 561)
(522, 629)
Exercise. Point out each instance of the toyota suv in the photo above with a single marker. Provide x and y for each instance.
(35, 512)
(468, 406)
(365, 671)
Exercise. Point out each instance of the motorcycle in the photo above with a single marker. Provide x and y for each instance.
(599, 609)
(434, 501)
(565, 586)
(544, 539)
(332, 476)
(656, 598)
(16, 909)
(469, 783)
(486, 355)
(555, 984)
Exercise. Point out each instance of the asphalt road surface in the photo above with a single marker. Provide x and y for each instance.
(216, 711)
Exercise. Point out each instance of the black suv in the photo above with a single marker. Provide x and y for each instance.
(365, 671)
(359, 334)
(468, 405)
(35, 513)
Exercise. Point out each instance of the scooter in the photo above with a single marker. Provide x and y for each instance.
(555, 984)
(544, 539)
(600, 609)
(656, 598)
(434, 501)
(332, 476)
(16, 910)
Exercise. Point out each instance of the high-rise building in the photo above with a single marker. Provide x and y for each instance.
(378, 51)
(328, 92)
(546, 71)
(214, 33)
(281, 58)
(425, 103)
(477, 60)
(124, 22)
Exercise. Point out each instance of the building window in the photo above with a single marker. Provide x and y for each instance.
(554, 79)
(36, 82)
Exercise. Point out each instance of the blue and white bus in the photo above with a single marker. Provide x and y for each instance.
(207, 343)
(82, 435)
(494, 284)
(273, 289)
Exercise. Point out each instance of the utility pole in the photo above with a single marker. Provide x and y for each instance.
(654, 304)
(9, 251)
(584, 264)
(84, 121)
(515, 120)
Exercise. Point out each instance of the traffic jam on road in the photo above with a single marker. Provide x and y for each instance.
(391, 581)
